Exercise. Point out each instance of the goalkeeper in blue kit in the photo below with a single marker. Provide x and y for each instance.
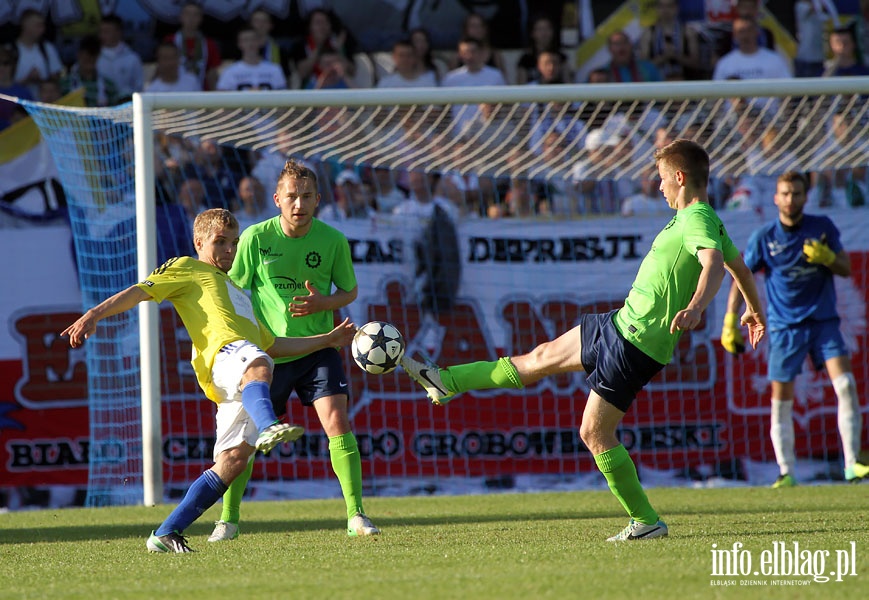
(799, 254)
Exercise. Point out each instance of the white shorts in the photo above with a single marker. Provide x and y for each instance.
(234, 425)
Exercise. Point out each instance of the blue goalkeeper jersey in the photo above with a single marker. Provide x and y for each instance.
(796, 290)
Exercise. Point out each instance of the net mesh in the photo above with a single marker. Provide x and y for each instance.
(548, 164)
(497, 140)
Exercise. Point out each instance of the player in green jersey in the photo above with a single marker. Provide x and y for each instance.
(299, 271)
(232, 358)
(622, 350)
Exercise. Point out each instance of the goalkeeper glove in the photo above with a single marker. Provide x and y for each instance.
(818, 252)
(731, 337)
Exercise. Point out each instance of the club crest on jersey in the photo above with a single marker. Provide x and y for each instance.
(313, 260)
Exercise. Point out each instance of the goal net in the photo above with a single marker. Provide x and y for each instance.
(546, 204)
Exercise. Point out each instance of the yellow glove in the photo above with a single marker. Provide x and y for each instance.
(818, 253)
(731, 336)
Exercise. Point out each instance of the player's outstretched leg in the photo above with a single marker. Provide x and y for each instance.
(442, 385)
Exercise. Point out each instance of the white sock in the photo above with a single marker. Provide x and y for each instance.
(782, 433)
(850, 419)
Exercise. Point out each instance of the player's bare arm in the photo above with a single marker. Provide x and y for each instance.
(86, 325)
(342, 335)
(744, 289)
(711, 276)
(315, 302)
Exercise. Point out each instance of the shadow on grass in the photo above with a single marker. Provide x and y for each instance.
(115, 531)
(289, 525)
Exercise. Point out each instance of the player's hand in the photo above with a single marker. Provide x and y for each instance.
(818, 252)
(314, 302)
(688, 318)
(756, 324)
(343, 334)
(731, 336)
(79, 331)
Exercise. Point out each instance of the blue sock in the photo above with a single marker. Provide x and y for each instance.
(201, 496)
(256, 401)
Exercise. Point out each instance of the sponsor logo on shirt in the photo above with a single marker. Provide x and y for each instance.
(313, 260)
(775, 248)
(268, 256)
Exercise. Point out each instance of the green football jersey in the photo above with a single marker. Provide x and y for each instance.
(275, 267)
(668, 278)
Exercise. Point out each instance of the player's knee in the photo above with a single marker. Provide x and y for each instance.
(233, 461)
(845, 386)
(259, 370)
(590, 434)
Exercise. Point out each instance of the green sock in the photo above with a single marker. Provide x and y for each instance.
(347, 464)
(232, 496)
(481, 375)
(621, 475)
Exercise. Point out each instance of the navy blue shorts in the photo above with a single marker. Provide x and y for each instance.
(820, 340)
(316, 375)
(615, 368)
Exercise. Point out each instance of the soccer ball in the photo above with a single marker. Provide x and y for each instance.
(377, 347)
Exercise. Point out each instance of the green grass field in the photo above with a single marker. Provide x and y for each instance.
(494, 546)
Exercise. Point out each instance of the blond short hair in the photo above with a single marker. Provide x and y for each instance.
(209, 221)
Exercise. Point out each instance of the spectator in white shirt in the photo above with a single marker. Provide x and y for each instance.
(38, 59)
(648, 201)
(168, 74)
(117, 60)
(749, 60)
(474, 73)
(252, 72)
(408, 72)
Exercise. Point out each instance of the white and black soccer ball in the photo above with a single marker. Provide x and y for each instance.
(377, 347)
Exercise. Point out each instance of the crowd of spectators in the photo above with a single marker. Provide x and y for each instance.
(196, 174)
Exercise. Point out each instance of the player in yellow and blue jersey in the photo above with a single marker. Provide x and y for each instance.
(232, 359)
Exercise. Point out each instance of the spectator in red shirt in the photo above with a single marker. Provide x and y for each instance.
(200, 54)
